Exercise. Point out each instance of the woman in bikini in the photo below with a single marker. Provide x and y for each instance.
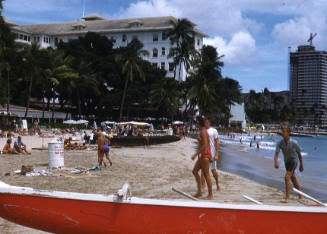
(204, 157)
(106, 151)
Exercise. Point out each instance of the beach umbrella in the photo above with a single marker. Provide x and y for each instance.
(110, 122)
(135, 123)
(82, 121)
(178, 122)
(69, 121)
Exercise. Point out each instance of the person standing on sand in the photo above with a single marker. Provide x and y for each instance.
(101, 142)
(214, 148)
(291, 151)
(203, 160)
(106, 150)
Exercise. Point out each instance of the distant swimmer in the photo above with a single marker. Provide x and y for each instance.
(251, 143)
(315, 148)
(258, 146)
(292, 153)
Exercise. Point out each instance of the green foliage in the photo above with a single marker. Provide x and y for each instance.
(207, 90)
(90, 78)
(182, 39)
(267, 107)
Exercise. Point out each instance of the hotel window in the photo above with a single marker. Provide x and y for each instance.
(25, 38)
(155, 52)
(155, 37)
(56, 41)
(164, 36)
(46, 39)
(155, 65)
(162, 65)
(21, 36)
(28, 38)
(198, 42)
(135, 37)
(163, 51)
(171, 67)
(113, 38)
(124, 38)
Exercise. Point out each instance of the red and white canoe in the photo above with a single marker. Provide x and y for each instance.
(65, 212)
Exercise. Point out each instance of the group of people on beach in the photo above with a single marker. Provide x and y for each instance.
(207, 156)
(18, 148)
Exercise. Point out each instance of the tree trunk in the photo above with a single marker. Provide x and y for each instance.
(53, 107)
(43, 103)
(29, 96)
(123, 99)
(8, 90)
(78, 102)
(179, 72)
(175, 71)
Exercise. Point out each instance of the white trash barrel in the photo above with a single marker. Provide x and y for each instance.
(56, 155)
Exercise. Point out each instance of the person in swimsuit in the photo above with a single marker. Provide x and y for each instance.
(7, 148)
(101, 142)
(292, 154)
(214, 148)
(204, 158)
(106, 151)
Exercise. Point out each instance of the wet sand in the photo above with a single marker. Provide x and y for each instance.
(151, 171)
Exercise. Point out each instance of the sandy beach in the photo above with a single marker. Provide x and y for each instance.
(151, 171)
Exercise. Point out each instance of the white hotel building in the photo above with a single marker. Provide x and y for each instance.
(150, 31)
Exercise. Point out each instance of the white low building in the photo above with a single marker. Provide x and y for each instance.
(237, 116)
(150, 31)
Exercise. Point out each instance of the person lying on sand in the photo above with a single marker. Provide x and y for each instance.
(292, 152)
(20, 147)
(7, 148)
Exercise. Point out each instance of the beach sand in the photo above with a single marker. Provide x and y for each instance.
(151, 172)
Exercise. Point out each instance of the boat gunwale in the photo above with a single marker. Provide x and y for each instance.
(27, 191)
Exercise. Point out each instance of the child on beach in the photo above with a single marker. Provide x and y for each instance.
(291, 152)
(203, 161)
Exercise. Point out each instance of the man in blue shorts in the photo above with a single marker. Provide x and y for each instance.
(292, 152)
(20, 147)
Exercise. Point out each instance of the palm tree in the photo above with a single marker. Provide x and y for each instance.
(164, 95)
(6, 47)
(31, 67)
(182, 38)
(131, 59)
(203, 81)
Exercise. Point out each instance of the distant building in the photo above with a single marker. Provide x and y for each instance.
(237, 119)
(308, 85)
(150, 31)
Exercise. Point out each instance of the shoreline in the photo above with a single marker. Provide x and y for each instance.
(151, 172)
(261, 170)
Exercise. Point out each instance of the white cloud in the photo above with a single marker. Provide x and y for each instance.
(239, 50)
(297, 30)
(150, 8)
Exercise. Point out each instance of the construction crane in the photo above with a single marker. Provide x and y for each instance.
(311, 38)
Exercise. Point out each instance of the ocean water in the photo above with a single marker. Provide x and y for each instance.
(313, 149)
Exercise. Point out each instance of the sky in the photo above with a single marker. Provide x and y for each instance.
(253, 35)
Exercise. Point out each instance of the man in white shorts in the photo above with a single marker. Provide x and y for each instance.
(214, 148)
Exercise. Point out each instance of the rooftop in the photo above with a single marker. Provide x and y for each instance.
(95, 23)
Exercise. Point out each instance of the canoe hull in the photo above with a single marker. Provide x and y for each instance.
(60, 215)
